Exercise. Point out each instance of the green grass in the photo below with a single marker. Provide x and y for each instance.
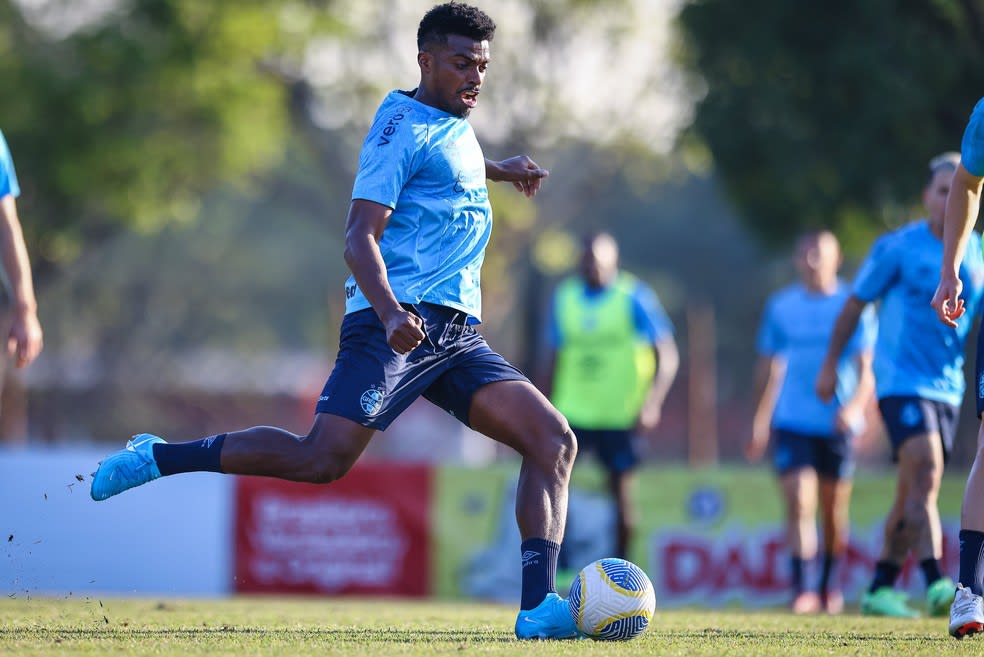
(304, 627)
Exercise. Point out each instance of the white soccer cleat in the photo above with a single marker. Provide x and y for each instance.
(966, 613)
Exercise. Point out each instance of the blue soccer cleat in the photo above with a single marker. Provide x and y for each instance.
(127, 468)
(551, 619)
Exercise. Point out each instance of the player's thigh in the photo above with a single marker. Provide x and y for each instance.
(516, 414)
(799, 488)
(337, 441)
(920, 462)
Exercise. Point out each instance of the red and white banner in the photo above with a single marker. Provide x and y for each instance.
(367, 533)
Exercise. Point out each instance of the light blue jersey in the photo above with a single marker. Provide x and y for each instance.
(972, 146)
(796, 327)
(428, 167)
(8, 177)
(916, 354)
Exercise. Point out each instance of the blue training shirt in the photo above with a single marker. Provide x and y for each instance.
(796, 328)
(648, 316)
(916, 354)
(428, 167)
(972, 146)
(8, 177)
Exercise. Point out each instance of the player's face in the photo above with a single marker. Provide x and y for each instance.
(453, 73)
(818, 259)
(599, 263)
(934, 196)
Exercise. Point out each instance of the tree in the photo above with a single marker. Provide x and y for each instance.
(133, 115)
(827, 113)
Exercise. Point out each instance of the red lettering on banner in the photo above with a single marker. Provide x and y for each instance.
(752, 567)
(367, 533)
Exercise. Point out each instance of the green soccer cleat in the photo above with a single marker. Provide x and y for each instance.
(886, 601)
(939, 597)
(127, 468)
(551, 619)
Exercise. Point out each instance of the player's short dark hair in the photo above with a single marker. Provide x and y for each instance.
(943, 162)
(454, 18)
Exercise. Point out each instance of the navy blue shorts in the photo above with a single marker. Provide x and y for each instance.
(372, 384)
(831, 456)
(906, 417)
(612, 447)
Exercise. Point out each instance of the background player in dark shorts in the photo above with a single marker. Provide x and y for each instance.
(812, 450)
(916, 357)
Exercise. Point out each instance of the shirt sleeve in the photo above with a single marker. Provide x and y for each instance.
(878, 272)
(8, 177)
(389, 157)
(972, 146)
(769, 341)
(651, 321)
(867, 332)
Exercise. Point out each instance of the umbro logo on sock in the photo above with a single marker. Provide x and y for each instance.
(529, 557)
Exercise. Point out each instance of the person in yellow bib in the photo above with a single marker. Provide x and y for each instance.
(612, 361)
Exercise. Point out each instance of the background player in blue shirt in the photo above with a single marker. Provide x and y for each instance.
(950, 302)
(812, 439)
(18, 322)
(415, 239)
(919, 382)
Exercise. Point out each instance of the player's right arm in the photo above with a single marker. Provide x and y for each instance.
(962, 206)
(844, 327)
(363, 229)
(769, 372)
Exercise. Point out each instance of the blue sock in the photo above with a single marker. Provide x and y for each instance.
(826, 572)
(931, 570)
(796, 574)
(539, 570)
(972, 560)
(886, 573)
(196, 456)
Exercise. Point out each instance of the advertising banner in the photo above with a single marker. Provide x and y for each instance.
(366, 534)
(705, 537)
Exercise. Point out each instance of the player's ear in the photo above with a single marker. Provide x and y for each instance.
(426, 61)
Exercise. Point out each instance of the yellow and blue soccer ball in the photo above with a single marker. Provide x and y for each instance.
(612, 600)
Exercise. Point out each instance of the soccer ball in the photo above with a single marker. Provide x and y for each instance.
(612, 600)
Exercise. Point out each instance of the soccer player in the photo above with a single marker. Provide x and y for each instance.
(612, 362)
(20, 322)
(415, 238)
(811, 439)
(950, 303)
(919, 383)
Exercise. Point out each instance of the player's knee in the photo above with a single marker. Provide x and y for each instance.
(325, 473)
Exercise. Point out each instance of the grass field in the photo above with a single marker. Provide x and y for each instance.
(305, 627)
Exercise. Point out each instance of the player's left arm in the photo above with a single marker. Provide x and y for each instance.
(962, 206)
(525, 174)
(667, 365)
(850, 415)
(25, 340)
(652, 322)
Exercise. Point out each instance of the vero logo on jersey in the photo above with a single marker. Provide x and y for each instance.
(390, 129)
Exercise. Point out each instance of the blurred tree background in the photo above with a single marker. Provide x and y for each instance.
(186, 169)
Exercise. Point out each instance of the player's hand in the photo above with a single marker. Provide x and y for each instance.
(25, 340)
(404, 330)
(755, 448)
(849, 419)
(946, 302)
(826, 383)
(649, 417)
(525, 175)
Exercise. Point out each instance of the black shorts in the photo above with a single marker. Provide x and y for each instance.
(372, 384)
(830, 456)
(906, 417)
(613, 447)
